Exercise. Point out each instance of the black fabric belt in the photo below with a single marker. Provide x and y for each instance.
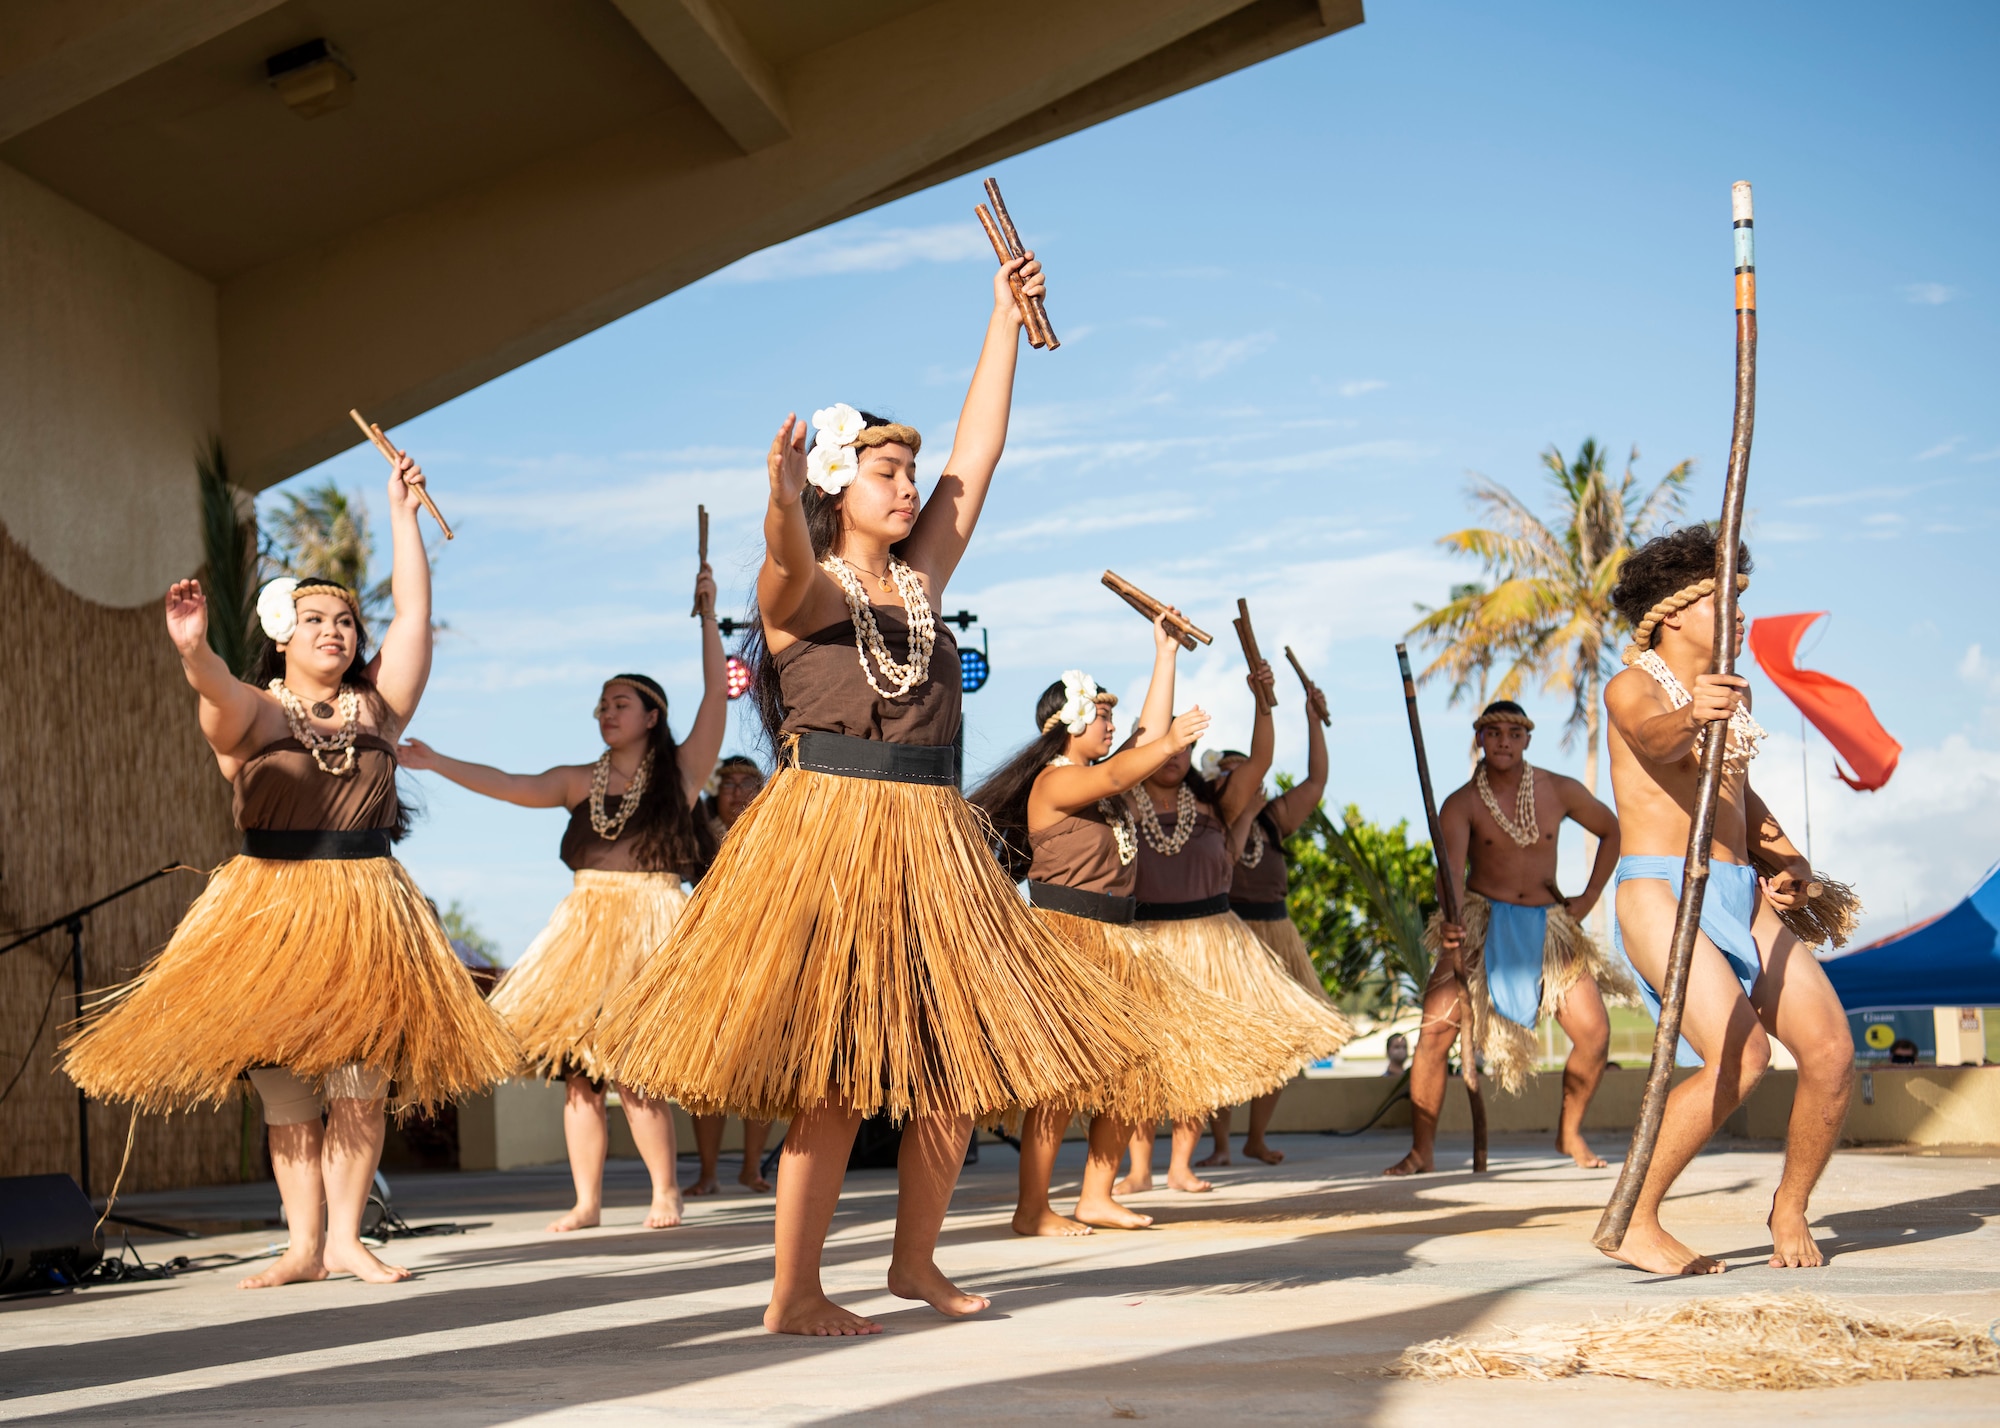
(849, 757)
(299, 845)
(1260, 911)
(1183, 911)
(1098, 907)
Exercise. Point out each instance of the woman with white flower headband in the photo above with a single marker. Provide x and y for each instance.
(1185, 863)
(1058, 809)
(1258, 884)
(891, 967)
(632, 839)
(311, 961)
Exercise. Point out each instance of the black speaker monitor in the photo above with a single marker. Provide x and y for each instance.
(47, 1233)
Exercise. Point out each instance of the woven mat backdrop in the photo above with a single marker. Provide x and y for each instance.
(106, 778)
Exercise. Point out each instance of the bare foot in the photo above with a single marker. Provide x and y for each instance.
(1187, 1182)
(1257, 1150)
(291, 1267)
(929, 1284)
(1048, 1222)
(1137, 1183)
(818, 1315)
(749, 1179)
(705, 1185)
(579, 1218)
(665, 1212)
(1411, 1164)
(1792, 1243)
(1582, 1154)
(1218, 1156)
(1108, 1214)
(1657, 1252)
(355, 1259)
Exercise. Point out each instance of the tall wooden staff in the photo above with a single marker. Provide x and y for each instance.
(1714, 740)
(1468, 1057)
(701, 519)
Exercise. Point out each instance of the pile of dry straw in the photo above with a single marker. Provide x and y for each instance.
(1751, 1341)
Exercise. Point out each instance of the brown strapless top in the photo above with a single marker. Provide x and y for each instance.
(1082, 852)
(1267, 881)
(1198, 872)
(824, 689)
(280, 787)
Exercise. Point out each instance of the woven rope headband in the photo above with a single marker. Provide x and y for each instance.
(1502, 716)
(1642, 636)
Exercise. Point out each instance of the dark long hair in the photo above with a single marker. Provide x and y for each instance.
(668, 837)
(822, 514)
(1003, 797)
(271, 665)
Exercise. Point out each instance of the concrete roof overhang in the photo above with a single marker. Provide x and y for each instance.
(510, 174)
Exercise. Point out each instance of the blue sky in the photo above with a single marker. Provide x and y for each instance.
(1299, 307)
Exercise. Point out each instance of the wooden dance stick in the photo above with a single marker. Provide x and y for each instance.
(1326, 717)
(701, 520)
(1034, 331)
(1468, 1057)
(1037, 311)
(392, 456)
(1247, 637)
(1714, 742)
(1152, 609)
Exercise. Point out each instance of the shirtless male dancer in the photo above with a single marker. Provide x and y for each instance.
(1750, 979)
(1528, 954)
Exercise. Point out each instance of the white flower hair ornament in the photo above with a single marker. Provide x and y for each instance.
(1080, 703)
(832, 464)
(1211, 763)
(277, 610)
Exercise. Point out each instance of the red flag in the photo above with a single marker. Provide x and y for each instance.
(1839, 711)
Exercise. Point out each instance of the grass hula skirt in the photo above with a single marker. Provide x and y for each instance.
(1202, 1052)
(307, 965)
(1225, 959)
(596, 941)
(856, 945)
(1508, 1050)
(1281, 936)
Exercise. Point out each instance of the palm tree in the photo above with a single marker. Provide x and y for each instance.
(230, 548)
(324, 531)
(1545, 610)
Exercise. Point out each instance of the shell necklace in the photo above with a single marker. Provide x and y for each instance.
(868, 635)
(1253, 851)
(1524, 827)
(316, 743)
(1141, 804)
(608, 828)
(1745, 733)
(1118, 817)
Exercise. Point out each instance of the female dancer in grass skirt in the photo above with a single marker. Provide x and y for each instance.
(311, 961)
(1258, 886)
(1058, 810)
(889, 966)
(632, 838)
(1185, 865)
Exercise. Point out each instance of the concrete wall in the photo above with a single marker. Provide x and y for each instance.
(108, 385)
(519, 1123)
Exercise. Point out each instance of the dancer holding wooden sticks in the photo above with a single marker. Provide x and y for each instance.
(890, 966)
(631, 840)
(1258, 885)
(1064, 826)
(1183, 888)
(311, 961)
(1751, 978)
(1518, 951)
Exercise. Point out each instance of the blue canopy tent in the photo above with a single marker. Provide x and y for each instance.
(1950, 961)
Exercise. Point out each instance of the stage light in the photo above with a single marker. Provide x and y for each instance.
(973, 670)
(737, 673)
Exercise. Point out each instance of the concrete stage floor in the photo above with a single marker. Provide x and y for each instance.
(1280, 1296)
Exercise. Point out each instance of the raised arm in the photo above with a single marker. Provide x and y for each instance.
(789, 570)
(1292, 807)
(229, 707)
(1158, 710)
(939, 538)
(1061, 791)
(704, 738)
(563, 786)
(403, 664)
(1246, 784)
(1595, 818)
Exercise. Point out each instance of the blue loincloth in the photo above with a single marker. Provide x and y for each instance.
(1726, 909)
(1513, 956)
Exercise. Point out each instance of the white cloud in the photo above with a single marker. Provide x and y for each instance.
(1362, 387)
(1993, 455)
(1943, 448)
(859, 250)
(1210, 357)
(1928, 294)
(1313, 458)
(574, 498)
(1093, 518)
